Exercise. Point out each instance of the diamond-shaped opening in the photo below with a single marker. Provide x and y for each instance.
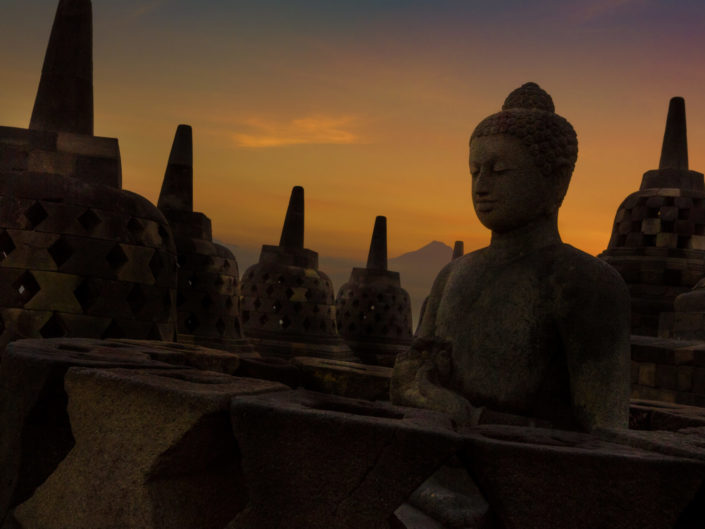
(265, 277)
(280, 280)
(26, 286)
(86, 294)
(35, 214)
(299, 280)
(116, 257)
(347, 314)
(218, 281)
(208, 260)
(356, 303)
(284, 322)
(297, 306)
(61, 251)
(220, 326)
(6, 245)
(89, 220)
(263, 319)
(226, 264)
(378, 317)
(308, 295)
(229, 302)
(191, 323)
(257, 303)
(164, 234)
(156, 264)
(306, 323)
(206, 302)
(316, 309)
(253, 288)
(351, 327)
(245, 316)
(276, 307)
(385, 330)
(113, 331)
(270, 289)
(53, 328)
(136, 299)
(135, 226)
(369, 329)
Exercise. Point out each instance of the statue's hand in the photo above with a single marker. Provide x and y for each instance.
(421, 378)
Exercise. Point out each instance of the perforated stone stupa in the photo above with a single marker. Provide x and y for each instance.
(373, 311)
(78, 255)
(287, 303)
(658, 238)
(208, 296)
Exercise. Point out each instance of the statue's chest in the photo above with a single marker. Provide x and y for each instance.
(498, 316)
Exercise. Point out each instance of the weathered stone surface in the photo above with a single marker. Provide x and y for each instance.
(269, 368)
(156, 443)
(333, 462)
(548, 478)
(528, 326)
(347, 379)
(451, 497)
(656, 415)
(36, 434)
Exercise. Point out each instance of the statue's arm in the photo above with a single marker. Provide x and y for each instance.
(422, 373)
(594, 320)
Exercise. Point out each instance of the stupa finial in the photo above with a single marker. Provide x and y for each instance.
(64, 101)
(293, 231)
(458, 250)
(177, 187)
(674, 153)
(377, 258)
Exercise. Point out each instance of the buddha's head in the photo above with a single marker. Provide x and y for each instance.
(521, 161)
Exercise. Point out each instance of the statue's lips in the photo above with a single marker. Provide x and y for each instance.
(484, 205)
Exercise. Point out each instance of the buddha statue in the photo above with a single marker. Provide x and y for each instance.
(528, 330)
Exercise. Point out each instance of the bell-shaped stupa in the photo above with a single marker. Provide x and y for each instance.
(78, 255)
(208, 295)
(287, 303)
(373, 311)
(658, 239)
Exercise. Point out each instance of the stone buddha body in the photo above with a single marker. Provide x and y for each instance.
(528, 330)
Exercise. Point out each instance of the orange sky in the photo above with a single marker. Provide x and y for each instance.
(369, 105)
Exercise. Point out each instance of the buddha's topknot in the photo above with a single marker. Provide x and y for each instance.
(528, 114)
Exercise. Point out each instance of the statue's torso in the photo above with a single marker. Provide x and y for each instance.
(501, 319)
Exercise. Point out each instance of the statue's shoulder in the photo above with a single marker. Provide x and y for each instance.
(577, 271)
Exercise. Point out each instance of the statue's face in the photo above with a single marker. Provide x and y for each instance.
(508, 190)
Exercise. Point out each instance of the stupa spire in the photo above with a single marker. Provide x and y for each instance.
(293, 231)
(177, 187)
(64, 101)
(377, 257)
(674, 152)
(458, 250)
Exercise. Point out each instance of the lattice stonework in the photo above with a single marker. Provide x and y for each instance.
(208, 298)
(279, 298)
(81, 259)
(658, 246)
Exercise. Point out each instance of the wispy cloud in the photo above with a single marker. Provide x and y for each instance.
(310, 130)
(144, 8)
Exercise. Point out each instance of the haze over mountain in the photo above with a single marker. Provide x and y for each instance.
(418, 268)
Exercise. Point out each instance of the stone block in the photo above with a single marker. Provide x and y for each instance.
(87, 145)
(37, 434)
(333, 462)
(533, 477)
(347, 379)
(684, 376)
(699, 381)
(156, 443)
(52, 162)
(666, 377)
(647, 375)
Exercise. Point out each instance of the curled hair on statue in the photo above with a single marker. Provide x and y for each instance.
(528, 114)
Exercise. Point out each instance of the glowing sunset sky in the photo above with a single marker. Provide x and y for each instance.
(369, 104)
